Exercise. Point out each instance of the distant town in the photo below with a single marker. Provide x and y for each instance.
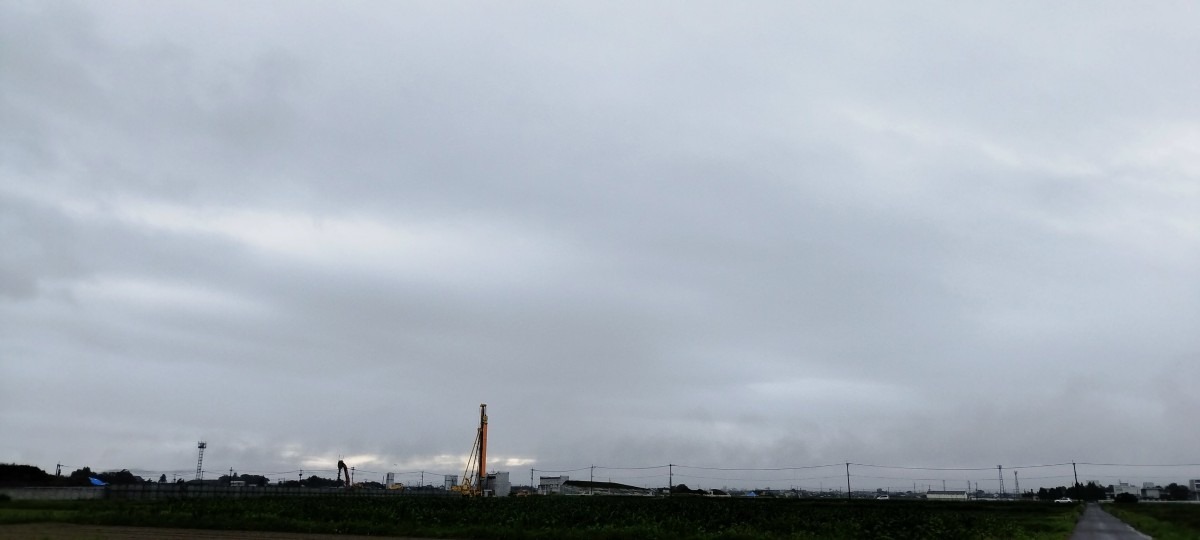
(30, 482)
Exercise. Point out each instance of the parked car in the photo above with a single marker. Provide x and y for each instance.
(1064, 500)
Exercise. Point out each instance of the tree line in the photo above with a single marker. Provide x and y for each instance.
(1095, 492)
(14, 475)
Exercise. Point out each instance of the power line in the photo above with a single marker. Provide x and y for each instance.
(923, 468)
(562, 471)
(759, 469)
(632, 468)
(1139, 464)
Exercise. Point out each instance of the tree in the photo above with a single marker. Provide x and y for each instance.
(254, 480)
(1052, 493)
(1089, 492)
(81, 477)
(681, 489)
(121, 477)
(1176, 492)
(12, 474)
(318, 482)
(162, 479)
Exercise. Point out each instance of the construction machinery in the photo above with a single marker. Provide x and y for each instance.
(474, 477)
(342, 467)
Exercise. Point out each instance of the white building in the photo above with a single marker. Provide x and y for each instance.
(497, 485)
(551, 485)
(1194, 487)
(946, 495)
(1150, 491)
(1125, 488)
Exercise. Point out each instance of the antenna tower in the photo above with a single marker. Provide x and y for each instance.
(200, 446)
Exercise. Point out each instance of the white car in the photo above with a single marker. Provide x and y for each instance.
(1064, 500)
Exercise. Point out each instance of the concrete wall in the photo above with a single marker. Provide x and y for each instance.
(170, 491)
(54, 493)
(177, 491)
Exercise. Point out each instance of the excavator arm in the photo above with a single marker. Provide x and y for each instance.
(342, 467)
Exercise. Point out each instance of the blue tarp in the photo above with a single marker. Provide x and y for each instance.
(97, 481)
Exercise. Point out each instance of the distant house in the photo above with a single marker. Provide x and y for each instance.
(1151, 491)
(946, 495)
(583, 487)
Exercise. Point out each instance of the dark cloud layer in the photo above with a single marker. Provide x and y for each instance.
(783, 235)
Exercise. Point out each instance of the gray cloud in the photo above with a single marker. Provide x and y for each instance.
(645, 234)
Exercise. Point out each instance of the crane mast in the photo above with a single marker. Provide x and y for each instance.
(475, 475)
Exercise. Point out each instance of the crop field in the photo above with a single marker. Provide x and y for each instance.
(1163, 521)
(572, 517)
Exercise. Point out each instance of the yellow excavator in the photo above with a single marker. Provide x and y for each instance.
(475, 475)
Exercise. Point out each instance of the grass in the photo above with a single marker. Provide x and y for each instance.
(573, 517)
(1163, 521)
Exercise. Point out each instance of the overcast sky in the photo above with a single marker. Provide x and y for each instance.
(719, 234)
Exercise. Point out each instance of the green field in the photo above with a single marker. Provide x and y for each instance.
(1169, 521)
(572, 517)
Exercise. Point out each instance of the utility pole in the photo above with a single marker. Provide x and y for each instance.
(670, 479)
(1000, 472)
(849, 496)
(58, 470)
(1075, 472)
(1017, 481)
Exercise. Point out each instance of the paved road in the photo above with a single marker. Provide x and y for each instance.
(1096, 524)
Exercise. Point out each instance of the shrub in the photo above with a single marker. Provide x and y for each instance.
(1126, 498)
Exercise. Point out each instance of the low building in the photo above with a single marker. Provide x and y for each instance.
(583, 487)
(551, 485)
(1125, 488)
(1194, 487)
(951, 495)
(1151, 491)
(497, 485)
